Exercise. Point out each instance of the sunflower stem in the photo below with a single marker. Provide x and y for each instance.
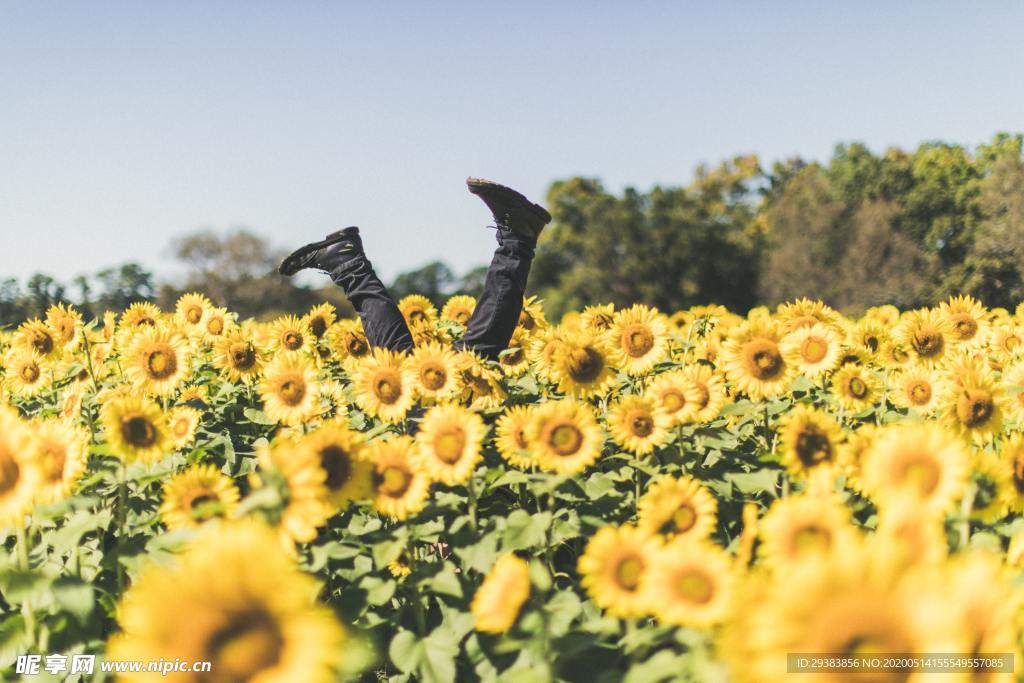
(471, 495)
(21, 541)
(965, 512)
(417, 597)
(122, 518)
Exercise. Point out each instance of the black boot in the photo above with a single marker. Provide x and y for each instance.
(512, 211)
(327, 255)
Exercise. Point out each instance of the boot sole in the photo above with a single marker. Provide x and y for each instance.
(476, 185)
(292, 263)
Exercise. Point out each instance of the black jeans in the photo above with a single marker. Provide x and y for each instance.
(489, 328)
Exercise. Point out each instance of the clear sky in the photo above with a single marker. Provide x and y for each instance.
(123, 124)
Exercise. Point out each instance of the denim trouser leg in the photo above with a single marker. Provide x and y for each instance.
(497, 311)
(382, 321)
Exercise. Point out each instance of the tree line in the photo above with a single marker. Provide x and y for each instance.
(862, 228)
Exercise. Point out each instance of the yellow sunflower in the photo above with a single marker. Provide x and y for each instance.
(348, 342)
(966, 318)
(449, 443)
(20, 473)
(436, 377)
(638, 339)
(856, 387)
(384, 385)
(27, 373)
(417, 310)
(870, 335)
(237, 600)
(510, 436)
(1012, 381)
(531, 317)
(183, 422)
(238, 357)
(289, 334)
(542, 352)
(296, 475)
(805, 313)
(157, 361)
(564, 436)
(1011, 452)
(66, 324)
(289, 390)
(320, 318)
(597, 319)
(1007, 339)
(753, 361)
(581, 366)
(400, 487)
(913, 536)
(688, 583)
(973, 404)
(480, 381)
(810, 441)
(136, 428)
(708, 389)
(60, 450)
(813, 350)
(138, 315)
(676, 397)
(918, 387)
(36, 337)
(926, 335)
(197, 494)
(217, 323)
(612, 569)
(677, 508)
(498, 600)
(798, 528)
(921, 461)
(637, 424)
(191, 308)
(993, 486)
(342, 454)
(514, 360)
(459, 308)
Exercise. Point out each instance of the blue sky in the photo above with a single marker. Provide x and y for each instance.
(123, 124)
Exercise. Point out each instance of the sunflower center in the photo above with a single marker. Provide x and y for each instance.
(182, 426)
(417, 316)
(29, 373)
(1018, 473)
(215, 326)
(248, 644)
(857, 387)
(42, 343)
(637, 340)
(628, 572)
(813, 349)
(920, 392)
(433, 376)
(394, 481)
(673, 401)
(10, 473)
(161, 363)
(763, 360)
(682, 520)
(566, 439)
(54, 458)
(812, 538)
(202, 504)
(921, 473)
(513, 357)
(194, 314)
(927, 342)
(337, 464)
(525, 319)
(357, 346)
(292, 391)
(520, 437)
(899, 355)
(695, 586)
(965, 326)
(243, 355)
(974, 407)
(292, 340)
(585, 364)
(640, 423)
(387, 387)
(318, 326)
(450, 445)
(138, 431)
(703, 395)
(813, 446)
(871, 341)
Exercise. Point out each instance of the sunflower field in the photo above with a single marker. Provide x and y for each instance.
(624, 495)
